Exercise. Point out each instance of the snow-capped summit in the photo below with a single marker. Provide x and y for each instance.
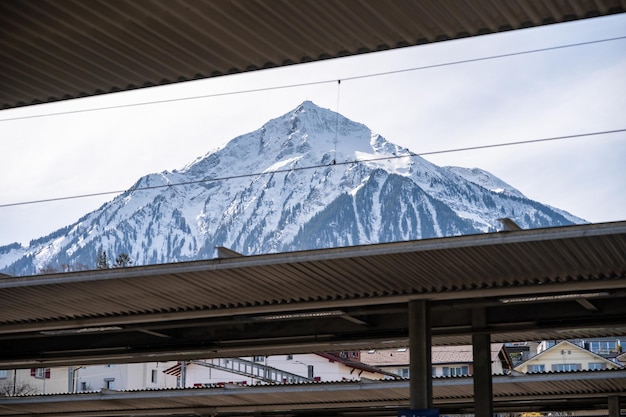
(307, 133)
(310, 178)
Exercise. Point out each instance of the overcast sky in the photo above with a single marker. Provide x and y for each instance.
(429, 107)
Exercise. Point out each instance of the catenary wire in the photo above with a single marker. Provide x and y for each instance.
(334, 163)
(336, 122)
(312, 83)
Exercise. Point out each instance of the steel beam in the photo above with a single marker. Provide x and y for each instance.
(420, 355)
(481, 347)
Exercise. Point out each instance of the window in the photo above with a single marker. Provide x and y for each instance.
(546, 344)
(83, 386)
(289, 357)
(565, 367)
(404, 372)
(259, 358)
(310, 371)
(109, 383)
(597, 365)
(43, 373)
(455, 370)
(603, 347)
(153, 376)
(536, 368)
(3, 374)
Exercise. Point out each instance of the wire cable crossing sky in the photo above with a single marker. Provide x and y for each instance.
(278, 171)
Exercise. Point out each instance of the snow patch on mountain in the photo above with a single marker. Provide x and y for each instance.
(486, 180)
(11, 253)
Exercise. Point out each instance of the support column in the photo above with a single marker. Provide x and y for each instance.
(420, 367)
(183, 374)
(481, 348)
(614, 406)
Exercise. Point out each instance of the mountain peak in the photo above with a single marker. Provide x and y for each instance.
(308, 179)
(306, 105)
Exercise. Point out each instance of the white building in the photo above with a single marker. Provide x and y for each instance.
(314, 367)
(132, 376)
(34, 381)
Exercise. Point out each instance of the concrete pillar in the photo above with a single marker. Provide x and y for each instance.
(420, 367)
(481, 348)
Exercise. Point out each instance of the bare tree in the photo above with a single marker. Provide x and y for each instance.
(21, 388)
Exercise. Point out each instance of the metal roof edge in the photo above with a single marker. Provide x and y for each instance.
(444, 243)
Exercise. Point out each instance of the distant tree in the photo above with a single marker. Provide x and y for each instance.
(48, 269)
(122, 260)
(67, 267)
(102, 261)
(81, 267)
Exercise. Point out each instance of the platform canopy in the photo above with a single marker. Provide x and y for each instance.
(57, 50)
(554, 283)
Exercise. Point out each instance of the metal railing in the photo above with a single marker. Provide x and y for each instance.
(253, 370)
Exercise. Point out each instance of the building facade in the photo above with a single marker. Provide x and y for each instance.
(34, 381)
(566, 356)
(255, 370)
(132, 376)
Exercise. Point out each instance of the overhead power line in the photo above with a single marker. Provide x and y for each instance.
(312, 83)
(335, 163)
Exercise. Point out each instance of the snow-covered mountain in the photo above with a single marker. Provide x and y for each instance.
(308, 179)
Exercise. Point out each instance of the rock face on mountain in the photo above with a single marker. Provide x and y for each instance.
(306, 180)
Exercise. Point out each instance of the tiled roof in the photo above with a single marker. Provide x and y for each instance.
(440, 355)
(356, 364)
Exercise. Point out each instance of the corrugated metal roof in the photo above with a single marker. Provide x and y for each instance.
(322, 300)
(561, 391)
(55, 50)
(531, 261)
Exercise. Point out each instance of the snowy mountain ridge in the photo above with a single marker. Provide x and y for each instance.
(308, 179)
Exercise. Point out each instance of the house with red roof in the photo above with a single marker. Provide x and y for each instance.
(446, 360)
